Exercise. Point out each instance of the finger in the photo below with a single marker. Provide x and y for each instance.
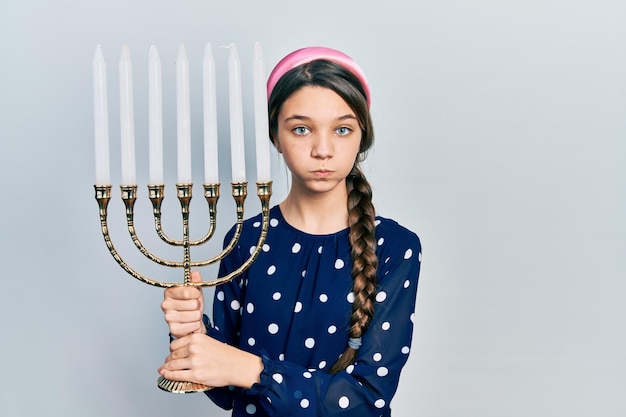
(181, 353)
(183, 292)
(178, 316)
(181, 305)
(178, 354)
(180, 342)
(196, 276)
(175, 313)
(182, 364)
(177, 375)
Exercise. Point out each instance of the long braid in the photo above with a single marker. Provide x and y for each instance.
(361, 220)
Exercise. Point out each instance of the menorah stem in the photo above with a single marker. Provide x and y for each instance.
(184, 196)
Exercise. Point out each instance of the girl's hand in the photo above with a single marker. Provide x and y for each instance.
(183, 307)
(202, 359)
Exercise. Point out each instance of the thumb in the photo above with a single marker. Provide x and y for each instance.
(196, 277)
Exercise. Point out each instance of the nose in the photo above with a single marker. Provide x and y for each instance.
(322, 146)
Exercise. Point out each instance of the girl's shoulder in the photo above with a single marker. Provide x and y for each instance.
(390, 230)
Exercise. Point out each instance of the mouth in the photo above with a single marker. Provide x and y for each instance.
(322, 173)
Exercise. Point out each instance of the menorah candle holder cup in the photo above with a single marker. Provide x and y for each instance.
(156, 194)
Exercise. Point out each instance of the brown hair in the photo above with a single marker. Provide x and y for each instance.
(361, 212)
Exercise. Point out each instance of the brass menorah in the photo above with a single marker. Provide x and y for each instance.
(156, 192)
(156, 195)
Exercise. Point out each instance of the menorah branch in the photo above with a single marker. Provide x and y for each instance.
(103, 196)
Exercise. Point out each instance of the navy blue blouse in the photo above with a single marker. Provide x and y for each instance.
(292, 308)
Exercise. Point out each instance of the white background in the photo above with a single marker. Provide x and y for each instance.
(500, 141)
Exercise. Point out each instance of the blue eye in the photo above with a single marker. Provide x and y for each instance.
(300, 130)
(342, 131)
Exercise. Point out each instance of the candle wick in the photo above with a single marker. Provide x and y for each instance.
(227, 46)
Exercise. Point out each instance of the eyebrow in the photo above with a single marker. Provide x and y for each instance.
(306, 118)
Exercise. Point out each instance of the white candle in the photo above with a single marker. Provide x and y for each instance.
(101, 118)
(155, 116)
(238, 159)
(261, 117)
(209, 101)
(183, 124)
(127, 118)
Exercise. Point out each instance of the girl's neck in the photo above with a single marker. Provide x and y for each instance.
(316, 214)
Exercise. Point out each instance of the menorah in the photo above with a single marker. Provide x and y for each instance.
(156, 188)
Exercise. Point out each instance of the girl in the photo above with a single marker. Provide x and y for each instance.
(321, 323)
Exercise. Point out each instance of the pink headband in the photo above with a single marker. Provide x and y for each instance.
(306, 55)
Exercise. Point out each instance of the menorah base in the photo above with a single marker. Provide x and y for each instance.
(180, 387)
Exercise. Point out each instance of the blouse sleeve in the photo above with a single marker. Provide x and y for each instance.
(226, 321)
(366, 387)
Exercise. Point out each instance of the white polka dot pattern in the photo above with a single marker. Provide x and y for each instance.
(344, 402)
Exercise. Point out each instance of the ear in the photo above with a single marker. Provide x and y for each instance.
(276, 144)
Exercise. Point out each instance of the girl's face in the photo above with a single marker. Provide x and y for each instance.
(319, 137)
